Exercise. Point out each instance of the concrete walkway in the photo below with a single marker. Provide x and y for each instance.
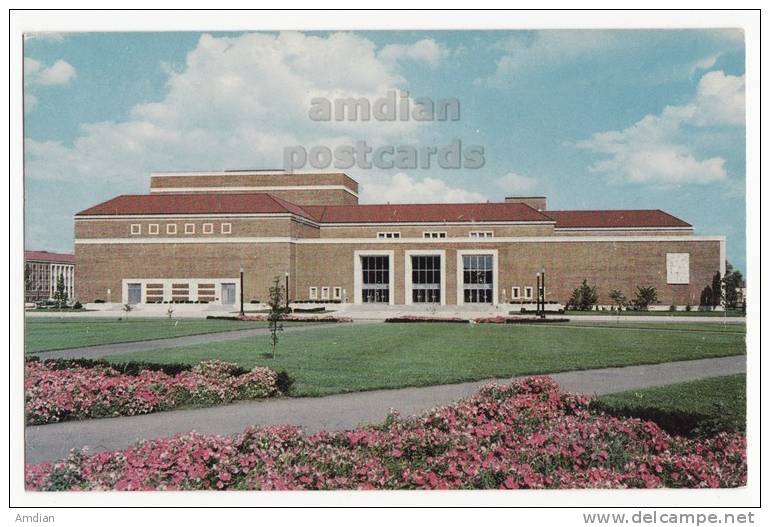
(339, 412)
(104, 350)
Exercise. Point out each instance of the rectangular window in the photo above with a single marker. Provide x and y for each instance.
(426, 279)
(376, 279)
(388, 235)
(434, 234)
(324, 293)
(678, 268)
(528, 293)
(478, 275)
(171, 228)
(189, 228)
(313, 293)
(208, 228)
(227, 228)
(515, 293)
(153, 228)
(136, 228)
(337, 293)
(481, 234)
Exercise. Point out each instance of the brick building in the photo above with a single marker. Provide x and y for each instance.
(188, 239)
(41, 271)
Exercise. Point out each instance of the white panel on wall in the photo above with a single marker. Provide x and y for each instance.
(678, 268)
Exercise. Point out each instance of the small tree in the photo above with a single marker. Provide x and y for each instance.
(277, 310)
(716, 289)
(619, 299)
(60, 296)
(732, 281)
(583, 297)
(705, 298)
(645, 297)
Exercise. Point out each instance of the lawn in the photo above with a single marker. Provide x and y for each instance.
(666, 313)
(698, 407)
(46, 334)
(366, 357)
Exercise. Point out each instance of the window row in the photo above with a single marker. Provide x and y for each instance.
(336, 291)
(188, 228)
(436, 234)
(516, 293)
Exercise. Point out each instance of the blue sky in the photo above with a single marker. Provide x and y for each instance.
(591, 119)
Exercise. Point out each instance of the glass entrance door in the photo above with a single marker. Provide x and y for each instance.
(375, 279)
(134, 293)
(477, 278)
(228, 294)
(426, 279)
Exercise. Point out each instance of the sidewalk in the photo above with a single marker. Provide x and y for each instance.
(105, 350)
(339, 412)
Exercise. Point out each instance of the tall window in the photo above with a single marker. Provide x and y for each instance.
(376, 279)
(477, 278)
(426, 279)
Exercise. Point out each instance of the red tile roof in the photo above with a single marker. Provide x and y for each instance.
(45, 256)
(262, 202)
(434, 212)
(614, 219)
(209, 203)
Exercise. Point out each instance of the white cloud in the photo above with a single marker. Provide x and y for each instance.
(513, 183)
(655, 149)
(403, 188)
(524, 52)
(48, 36)
(427, 51)
(59, 73)
(236, 103)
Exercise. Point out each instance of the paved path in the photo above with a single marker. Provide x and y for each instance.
(339, 412)
(104, 350)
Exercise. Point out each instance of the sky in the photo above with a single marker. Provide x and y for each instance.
(592, 119)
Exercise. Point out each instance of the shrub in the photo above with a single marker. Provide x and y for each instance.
(99, 301)
(645, 297)
(583, 297)
(523, 435)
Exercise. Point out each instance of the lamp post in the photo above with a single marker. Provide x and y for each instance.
(287, 290)
(537, 309)
(542, 285)
(242, 313)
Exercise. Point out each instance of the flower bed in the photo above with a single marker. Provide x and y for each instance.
(292, 318)
(524, 435)
(502, 319)
(54, 393)
(417, 318)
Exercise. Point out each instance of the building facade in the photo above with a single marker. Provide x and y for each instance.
(42, 270)
(188, 239)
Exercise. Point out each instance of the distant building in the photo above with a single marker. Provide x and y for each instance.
(41, 271)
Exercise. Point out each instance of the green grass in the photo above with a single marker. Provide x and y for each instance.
(366, 357)
(709, 327)
(698, 407)
(46, 334)
(730, 313)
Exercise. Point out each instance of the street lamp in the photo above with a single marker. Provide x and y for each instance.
(542, 285)
(242, 313)
(287, 290)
